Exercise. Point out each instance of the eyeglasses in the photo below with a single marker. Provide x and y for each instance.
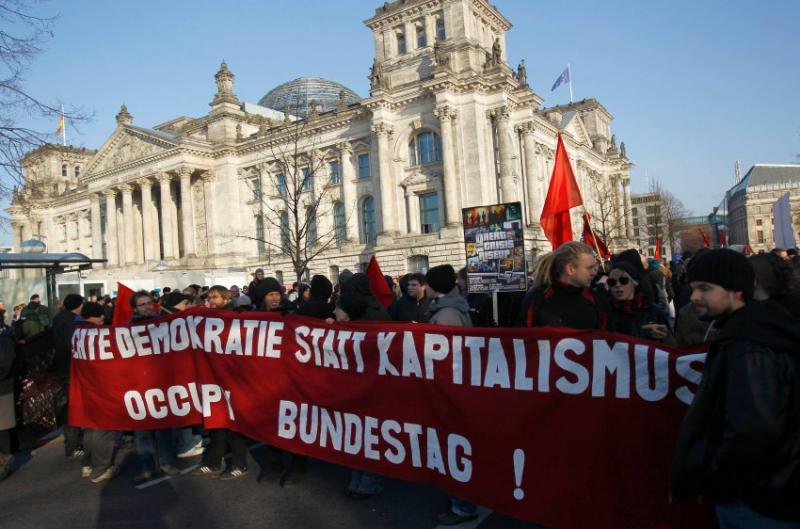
(622, 281)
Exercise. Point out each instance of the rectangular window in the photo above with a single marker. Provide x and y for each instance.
(422, 39)
(429, 212)
(333, 274)
(759, 222)
(307, 178)
(335, 173)
(401, 43)
(279, 276)
(311, 227)
(77, 171)
(635, 232)
(363, 166)
(255, 189)
(260, 239)
(760, 236)
(280, 184)
(440, 34)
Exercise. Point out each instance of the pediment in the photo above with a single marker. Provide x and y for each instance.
(572, 123)
(126, 146)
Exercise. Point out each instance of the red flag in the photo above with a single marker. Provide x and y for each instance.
(562, 195)
(706, 242)
(122, 307)
(377, 283)
(593, 240)
(657, 254)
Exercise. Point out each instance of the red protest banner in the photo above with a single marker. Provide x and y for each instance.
(571, 429)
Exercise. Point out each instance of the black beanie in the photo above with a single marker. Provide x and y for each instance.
(72, 301)
(92, 310)
(353, 304)
(628, 268)
(441, 278)
(321, 287)
(726, 268)
(270, 284)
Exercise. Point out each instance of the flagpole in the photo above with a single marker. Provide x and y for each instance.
(570, 82)
(64, 127)
(594, 238)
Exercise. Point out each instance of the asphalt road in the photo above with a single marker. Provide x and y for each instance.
(46, 491)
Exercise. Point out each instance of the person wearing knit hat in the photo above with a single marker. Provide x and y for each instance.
(64, 325)
(271, 294)
(175, 302)
(318, 304)
(631, 313)
(724, 268)
(739, 443)
(442, 278)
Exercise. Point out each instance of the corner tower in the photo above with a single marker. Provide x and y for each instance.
(413, 37)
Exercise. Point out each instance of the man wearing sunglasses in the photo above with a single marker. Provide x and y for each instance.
(739, 445)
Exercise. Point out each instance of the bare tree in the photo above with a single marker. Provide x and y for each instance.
(22, 33)
(673, 210)
(293, 195)
(607, 221)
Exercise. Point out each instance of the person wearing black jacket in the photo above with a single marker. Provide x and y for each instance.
(413, 303)
(560, 296)
(64, 325)
(631, 314)
(739, 444)
(318, 304)
(359, 285)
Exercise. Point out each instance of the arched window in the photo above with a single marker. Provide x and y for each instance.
(368, 224)
(285, 235)
(339, 223)
(425, 147)
(418, 264)
(64, 169)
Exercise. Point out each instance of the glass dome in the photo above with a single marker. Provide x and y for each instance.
(295, 96)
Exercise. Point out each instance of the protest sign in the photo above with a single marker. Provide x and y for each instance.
(571, 429)
(495, 248)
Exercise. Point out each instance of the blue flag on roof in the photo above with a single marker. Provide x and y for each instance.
(563, 78)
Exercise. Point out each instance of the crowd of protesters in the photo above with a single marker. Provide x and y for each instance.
(739, 445)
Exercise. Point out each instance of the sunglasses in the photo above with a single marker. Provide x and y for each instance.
(622, 281)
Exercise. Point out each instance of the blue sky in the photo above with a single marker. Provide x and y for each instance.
(693, 86)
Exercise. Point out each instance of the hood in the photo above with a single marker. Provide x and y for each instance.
(765, 323)
(452, 300)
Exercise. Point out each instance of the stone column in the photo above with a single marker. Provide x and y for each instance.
(529, 147)
(502, 120)
(349, 192)
(430, 29)
(411, 36)
(127, 216)
(151, 239)
(97, 229)
(626, 191)
(112, 252)
(209, 193)
(187, 229)
(452, 198)
(164, 181)
(618, 205)
(388, 220)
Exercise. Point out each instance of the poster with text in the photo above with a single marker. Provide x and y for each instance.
(495, 248)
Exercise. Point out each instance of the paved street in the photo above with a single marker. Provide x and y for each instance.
(46, 491)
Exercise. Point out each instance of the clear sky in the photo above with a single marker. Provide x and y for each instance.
(693, 85)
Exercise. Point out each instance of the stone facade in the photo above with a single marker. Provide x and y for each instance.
(749, 204)
(447, 124)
